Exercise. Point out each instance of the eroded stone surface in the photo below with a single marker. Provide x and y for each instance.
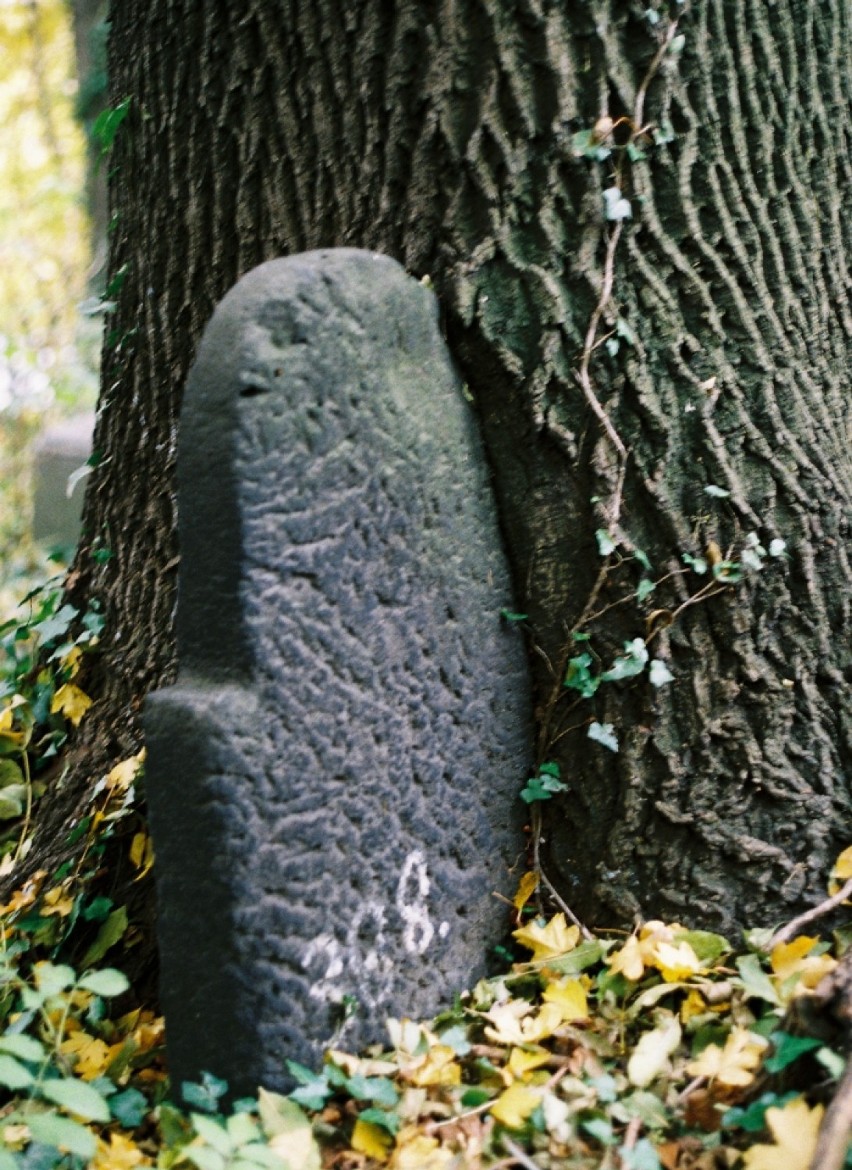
(333, 780)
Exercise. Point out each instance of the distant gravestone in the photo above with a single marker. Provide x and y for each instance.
(59, 451)
(333, 780)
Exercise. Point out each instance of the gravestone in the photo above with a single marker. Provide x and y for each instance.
(58, 452)
(333, 779)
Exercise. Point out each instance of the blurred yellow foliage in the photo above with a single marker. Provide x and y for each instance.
(44, 245)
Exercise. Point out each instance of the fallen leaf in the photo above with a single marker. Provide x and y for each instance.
(794, 960)
(513, 1022)
(569, 995)
(121, 1154)
(522, 1062)
(92, 1055)
(515, 1104)
(628, 961)
(57, 901)
(527, 886)
(439, 1068)
(367, 1139)
(651, 1054)
(550, 940)
(794, 1128)
(142, 854)
(415, 1151)
(733, 1065)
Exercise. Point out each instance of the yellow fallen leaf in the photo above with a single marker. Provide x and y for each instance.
(514, 1024)
(675, 962)
(569, 995)
(550, 940)
(628, 961)
(15, 1135)
(92, 1055)
(651, 1054)
(70, 662)
(124, 773)
(120, 1154)
(142, 854)
(527, 886)
(522, 1063)
(371, 1140)
(415, 1151)
(57, 901)
(694, 1005)
(515, 1104)
(842, 871)
(793, 959)
(794, 1128)
(439, 1068)
(733, 1065)
(9, 738)
(71, 703)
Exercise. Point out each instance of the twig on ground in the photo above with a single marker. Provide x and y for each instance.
(795, 925)
(833, 1139)
(563, 906)
(518, 1154)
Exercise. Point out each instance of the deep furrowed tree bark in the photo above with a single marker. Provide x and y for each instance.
(445, 134)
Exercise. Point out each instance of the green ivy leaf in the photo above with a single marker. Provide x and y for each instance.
(659, 674)
(388, 1121)
(788, 1048)
(631, 663)
(604, 734)
(606, 544)
(129, 1108)
(579, 678)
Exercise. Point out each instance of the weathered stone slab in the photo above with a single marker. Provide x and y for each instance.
(333, 780)
(59, 451)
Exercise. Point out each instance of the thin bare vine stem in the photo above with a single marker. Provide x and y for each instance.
(563, 906)
(795, 924)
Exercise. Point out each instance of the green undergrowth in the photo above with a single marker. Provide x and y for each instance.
(663, 1049)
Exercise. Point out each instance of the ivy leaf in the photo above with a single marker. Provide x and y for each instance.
(604, 734)
(631, 663)
(129, 1108)
(616, 207)
(606, 544)
(788, 1049)
(659, 674)
(579, 678)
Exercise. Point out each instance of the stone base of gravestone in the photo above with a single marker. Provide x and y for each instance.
(60, 450)
(333, 781)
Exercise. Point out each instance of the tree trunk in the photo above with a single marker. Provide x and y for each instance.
(621, 367)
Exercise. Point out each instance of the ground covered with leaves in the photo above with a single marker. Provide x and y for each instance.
(662, 1049)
